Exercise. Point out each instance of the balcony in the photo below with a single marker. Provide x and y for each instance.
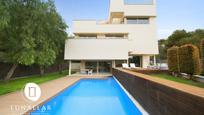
(96, 49)
(88, 38)
(93, 27)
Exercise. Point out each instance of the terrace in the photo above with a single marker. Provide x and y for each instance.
(144, 90)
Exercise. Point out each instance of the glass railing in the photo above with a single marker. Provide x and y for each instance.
(139, 2)
(138, 21)
(101, 38)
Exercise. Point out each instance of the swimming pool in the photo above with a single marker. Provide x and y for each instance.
(91, 97)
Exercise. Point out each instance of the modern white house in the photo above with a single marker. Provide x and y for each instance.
(129, 35)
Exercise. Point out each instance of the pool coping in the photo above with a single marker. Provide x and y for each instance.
(140, 108)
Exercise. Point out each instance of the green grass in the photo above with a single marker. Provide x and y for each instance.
(178, 79)
(17, 84)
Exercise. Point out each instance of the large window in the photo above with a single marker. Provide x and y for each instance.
(104, 66)
(76, 66)
(94, 36)
(116, 36)
(91, 65)
(137, 60)
(137, 20)
(99, 66)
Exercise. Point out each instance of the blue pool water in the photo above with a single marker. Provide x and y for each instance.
(90, 97)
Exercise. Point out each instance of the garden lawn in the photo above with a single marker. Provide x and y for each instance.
(178, 79)
(17, 84)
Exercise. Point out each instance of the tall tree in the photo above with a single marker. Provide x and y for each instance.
(194, 38)
(176, 37)
(180, 37)
(52, 37)
(16, 40)
(33, 35)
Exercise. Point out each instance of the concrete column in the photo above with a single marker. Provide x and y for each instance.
(70, 67)
(125, 20)
(97, 67)
(113, 64)
(141, 64)
(128, 62)
(155, 60)
(145, 61)
(82, 65)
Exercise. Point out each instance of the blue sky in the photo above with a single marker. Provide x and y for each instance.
(172, 14)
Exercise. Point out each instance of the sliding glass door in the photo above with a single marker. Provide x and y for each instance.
(99, 66)
(137, 60)
(91, 65)
(104, 66)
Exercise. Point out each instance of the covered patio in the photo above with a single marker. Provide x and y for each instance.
(93, 67)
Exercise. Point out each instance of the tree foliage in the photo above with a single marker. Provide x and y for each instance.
(179, 38)
(4, 15)
(34, 34)
(176, 37)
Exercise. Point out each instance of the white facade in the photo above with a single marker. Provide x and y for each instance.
(129, 31)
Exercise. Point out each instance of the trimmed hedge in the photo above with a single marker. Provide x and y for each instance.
(202, 55)
(189, 59)
(173, 59)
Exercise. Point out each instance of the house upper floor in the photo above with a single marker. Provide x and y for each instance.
(127, 12)
(123, 18)
(129, 29)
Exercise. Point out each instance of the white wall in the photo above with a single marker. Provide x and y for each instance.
(116, 6)
(142, 38)
(140, 10)
(145, 61)
(96, 49)
(132, 10)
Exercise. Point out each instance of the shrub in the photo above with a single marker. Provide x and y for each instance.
(189, 59)
(202, 55)
(173, 60)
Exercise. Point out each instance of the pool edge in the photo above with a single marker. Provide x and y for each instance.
(140, 108)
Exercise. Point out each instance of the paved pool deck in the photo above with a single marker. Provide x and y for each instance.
(16, 104)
